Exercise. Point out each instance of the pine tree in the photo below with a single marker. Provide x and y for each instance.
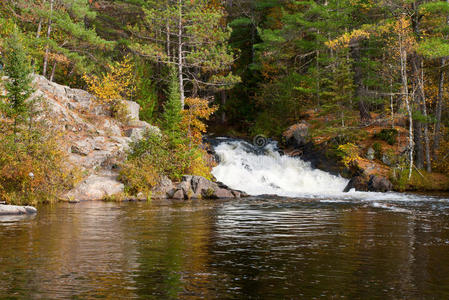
(18, 85)
(190, 35)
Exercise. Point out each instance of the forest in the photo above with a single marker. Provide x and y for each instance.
(361, 73)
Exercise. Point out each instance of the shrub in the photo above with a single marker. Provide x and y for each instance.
(377, 150)
(33, 169)
(154, 156)
(387, 135)
(349, 153)
(112, 87)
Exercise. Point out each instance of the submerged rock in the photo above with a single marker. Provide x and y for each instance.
(16, 210)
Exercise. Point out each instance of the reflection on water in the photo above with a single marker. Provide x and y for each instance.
(252, 248)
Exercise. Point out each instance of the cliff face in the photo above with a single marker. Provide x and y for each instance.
(95, 142)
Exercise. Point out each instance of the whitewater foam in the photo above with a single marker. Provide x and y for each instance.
(259, 171)
(242, 167)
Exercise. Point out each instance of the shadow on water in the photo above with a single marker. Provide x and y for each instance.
(252, 248)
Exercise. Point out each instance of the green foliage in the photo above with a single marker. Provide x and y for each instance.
(18, 85)
(146, 94)
(172, 116)
(349, 154)
(378, 151)
(387, 135)
(155, 156)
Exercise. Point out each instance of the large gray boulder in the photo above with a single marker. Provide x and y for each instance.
(16, 210)
(96, 187)
(163, 189)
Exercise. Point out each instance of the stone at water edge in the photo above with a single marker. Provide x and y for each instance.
(16, 210)
(379, 184)
(369, 184)
(96, 187)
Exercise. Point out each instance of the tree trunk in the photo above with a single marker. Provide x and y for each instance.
(438, 110)
(53, 71)
(168, 38)
(180, 55)
(424, 112)
(47, 49)
(419, 150)
(223, 103)
(365, 116)
(403, 56)
(39, 28)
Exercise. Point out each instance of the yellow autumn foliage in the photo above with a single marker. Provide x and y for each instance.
(349, 153)
(112, 87)
(192, 118)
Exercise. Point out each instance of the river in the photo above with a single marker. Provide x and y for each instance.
(262, 247)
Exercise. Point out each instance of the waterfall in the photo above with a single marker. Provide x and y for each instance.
(258, 171)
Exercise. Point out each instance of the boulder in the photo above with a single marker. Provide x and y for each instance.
(359, 183)
(199, 187)
(297, 135)
(82, 147)
(16, 210)
(379, 184)
(133, 109)
(163, 189)
(96, 187)
(370, 153)
(372, 183)
(135, 134)
(178, 194)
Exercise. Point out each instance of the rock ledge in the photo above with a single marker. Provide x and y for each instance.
(16, 210)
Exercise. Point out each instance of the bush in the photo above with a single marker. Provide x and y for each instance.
(33, 169)
(114, 86)
(387, 135)
(154, 156)
(349, 153)
(377, 150)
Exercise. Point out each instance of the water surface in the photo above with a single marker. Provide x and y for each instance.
(257, 248)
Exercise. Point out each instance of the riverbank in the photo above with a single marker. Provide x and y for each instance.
(376, 153)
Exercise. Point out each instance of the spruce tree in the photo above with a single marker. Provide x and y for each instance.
(18, 85)
(171, 117)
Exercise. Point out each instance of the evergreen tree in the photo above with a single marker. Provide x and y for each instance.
(172, 117)
(190, 35)
(18, 84)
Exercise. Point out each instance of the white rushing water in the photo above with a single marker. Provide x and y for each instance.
(257, 171)
(242, 168)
